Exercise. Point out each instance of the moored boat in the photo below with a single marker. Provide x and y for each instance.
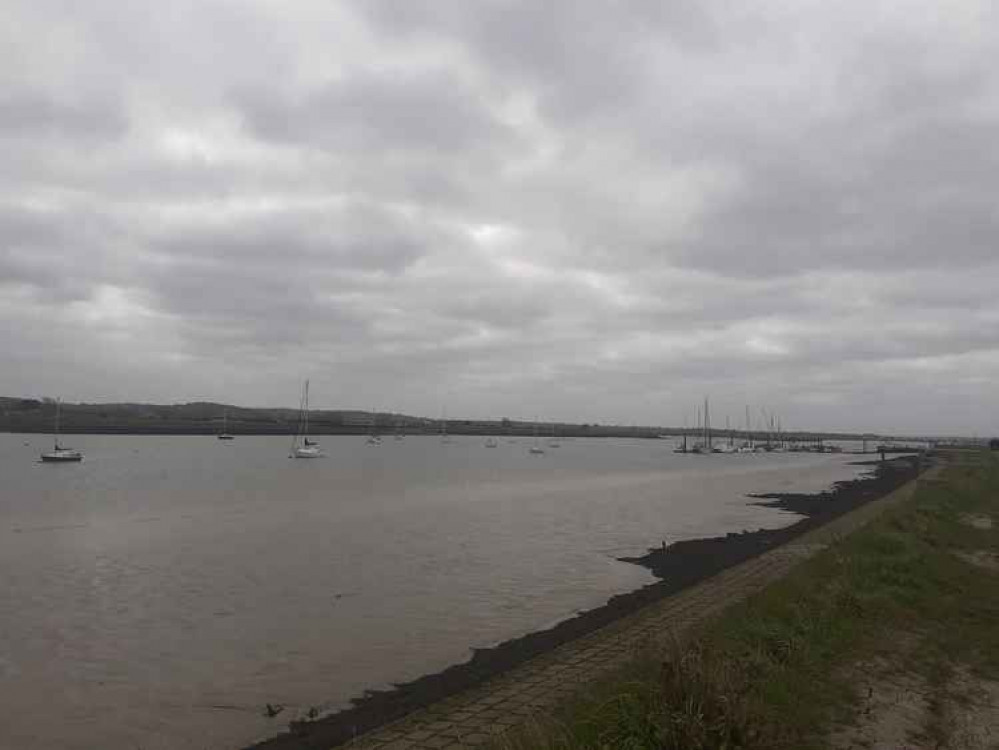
(60, 453)
(224, 435)
(302, 446)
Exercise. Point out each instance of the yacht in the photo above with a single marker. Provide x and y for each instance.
(60, 453)
(536, 448)
(224, 435)
(302, 446)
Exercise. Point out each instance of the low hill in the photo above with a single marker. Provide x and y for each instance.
(205, 418)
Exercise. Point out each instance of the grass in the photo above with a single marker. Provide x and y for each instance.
(780, 670)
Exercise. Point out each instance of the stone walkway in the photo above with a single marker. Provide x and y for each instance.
(473, 718)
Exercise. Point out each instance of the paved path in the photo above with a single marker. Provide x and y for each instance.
(473, 718)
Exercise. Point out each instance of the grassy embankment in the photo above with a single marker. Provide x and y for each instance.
(888, 638)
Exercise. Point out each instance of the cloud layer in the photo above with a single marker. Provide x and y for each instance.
(506, 208)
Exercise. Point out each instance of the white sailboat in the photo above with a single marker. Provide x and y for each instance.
(491, 442)
(444, 436)
(747, 442)
(59, 453)
(373, 437)
(702, 447)
(535, 446)
(224, 435)
(302, 446)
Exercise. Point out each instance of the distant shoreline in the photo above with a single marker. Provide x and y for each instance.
(679, 566)
(32, 416)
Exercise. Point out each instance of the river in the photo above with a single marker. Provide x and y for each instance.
(160, 593)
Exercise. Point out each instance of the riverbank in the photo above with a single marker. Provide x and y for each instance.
(683, 565)
(886, 638)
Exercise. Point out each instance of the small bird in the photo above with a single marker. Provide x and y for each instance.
(273, 710)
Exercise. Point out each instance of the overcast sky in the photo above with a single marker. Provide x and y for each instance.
(595, 211)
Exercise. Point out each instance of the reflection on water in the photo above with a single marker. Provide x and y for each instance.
(161, 592)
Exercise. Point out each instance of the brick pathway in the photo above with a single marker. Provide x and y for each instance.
(473, 718)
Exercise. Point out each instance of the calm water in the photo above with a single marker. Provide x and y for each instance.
(160, 593)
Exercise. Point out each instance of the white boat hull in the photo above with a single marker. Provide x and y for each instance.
(62, 456)
(309, 452)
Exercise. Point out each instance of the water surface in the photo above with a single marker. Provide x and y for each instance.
(160, 593)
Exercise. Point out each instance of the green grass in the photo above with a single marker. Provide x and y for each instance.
(780, 669)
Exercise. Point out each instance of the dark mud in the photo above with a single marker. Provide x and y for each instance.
(680, 565)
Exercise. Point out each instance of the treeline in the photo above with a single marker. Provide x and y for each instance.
(206, 418)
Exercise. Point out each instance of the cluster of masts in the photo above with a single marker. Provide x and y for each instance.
(769, 438)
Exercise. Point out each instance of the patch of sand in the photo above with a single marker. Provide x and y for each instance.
(978, 521)
(976, 715)
(892, 715)
(980, 558)
(897, 709)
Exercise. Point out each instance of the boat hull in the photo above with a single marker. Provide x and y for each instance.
(62, 458)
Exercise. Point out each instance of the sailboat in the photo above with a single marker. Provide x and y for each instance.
(701, 447)
(491, 442)
(444, 436)
(727, 447)
(224, 435)
(554, 443)
(682, 448)
(535, 446)
(747, 443)
(301, 446)
(59, 453)
(373, 437)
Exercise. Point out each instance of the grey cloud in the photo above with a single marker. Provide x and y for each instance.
(61, 255)
(359, 237)
(411, 111)
(30, 114)
(580, 62)
(917, 196)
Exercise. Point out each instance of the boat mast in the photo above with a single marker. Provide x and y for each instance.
(305, 414)
(707, 425)
(55, 435)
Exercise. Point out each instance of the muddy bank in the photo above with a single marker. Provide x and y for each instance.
(687, 562)
(680, 565)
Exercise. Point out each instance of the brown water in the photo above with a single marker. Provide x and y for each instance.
(160, 593)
